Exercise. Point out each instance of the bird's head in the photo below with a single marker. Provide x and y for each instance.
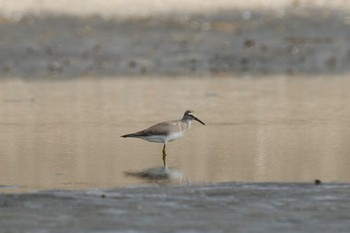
(190, 115)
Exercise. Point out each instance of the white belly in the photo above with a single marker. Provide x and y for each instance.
(163, 138)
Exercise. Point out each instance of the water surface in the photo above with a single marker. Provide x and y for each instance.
(65, 134)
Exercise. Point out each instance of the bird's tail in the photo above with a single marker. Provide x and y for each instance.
(128, 135)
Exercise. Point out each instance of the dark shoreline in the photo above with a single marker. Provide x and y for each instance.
(242, 207)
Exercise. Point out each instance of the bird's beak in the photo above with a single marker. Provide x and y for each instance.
(195, 118)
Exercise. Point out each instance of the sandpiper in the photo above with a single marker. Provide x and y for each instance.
(166, 131)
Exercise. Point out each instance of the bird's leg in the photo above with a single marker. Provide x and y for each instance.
(164, 156)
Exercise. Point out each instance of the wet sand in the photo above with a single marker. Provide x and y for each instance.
(226, 207)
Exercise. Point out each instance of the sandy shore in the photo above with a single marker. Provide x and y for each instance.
(122, 8)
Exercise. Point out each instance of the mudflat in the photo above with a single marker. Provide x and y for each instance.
(270, 82)
(293, 40)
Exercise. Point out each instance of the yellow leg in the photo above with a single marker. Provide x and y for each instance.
(164, 156)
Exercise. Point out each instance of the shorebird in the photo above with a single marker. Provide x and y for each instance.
(166, 131)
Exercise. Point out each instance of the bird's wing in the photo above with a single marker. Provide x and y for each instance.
(163, 128)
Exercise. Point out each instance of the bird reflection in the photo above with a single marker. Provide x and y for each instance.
(162, 175)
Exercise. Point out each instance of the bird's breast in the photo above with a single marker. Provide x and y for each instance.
(174, 136)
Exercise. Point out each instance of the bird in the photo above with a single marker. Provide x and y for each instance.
(167, 131)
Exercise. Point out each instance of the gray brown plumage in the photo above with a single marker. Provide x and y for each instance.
(166, 131)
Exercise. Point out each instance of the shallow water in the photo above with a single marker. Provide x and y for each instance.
(65, 134)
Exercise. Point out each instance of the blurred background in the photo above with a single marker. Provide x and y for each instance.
(94, 38)
(269, 79)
